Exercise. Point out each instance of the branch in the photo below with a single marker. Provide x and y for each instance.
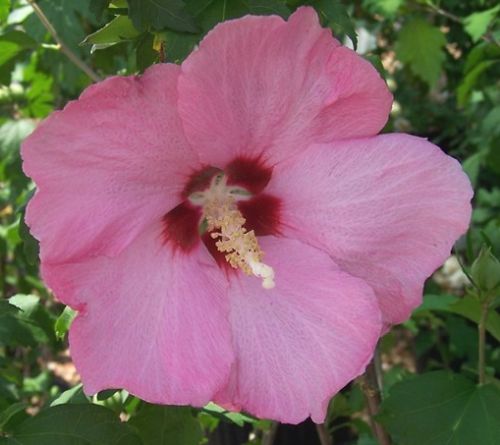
(487, 37)
(64, 48)
(269, 436)
(323, 434)
(482, 342)
(371, 386)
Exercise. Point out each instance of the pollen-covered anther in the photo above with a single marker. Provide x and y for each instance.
(226, 224)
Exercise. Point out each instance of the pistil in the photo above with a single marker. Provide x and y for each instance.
(227, 227)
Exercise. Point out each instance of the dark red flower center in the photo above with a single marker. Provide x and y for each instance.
(183, 225)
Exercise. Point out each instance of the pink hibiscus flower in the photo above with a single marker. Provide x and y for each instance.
(231, 229)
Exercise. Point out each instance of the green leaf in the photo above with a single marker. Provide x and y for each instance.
(477, 23)
(11, 234)
(12, 132)
(120, 29)
(472, 166)
(7, 309)
(30, 244)
(482, 57)
(420, 46)
(144, 53)
(268, 7)
(66, 17)
(4, 10)
(97, 7)
(167, 425)
(39, 94)
(71, 19)
(178, 45)
(386, 8)
(337, 16)
(161, 14)
(493, 158)
(365, 439)
(467, 307)
(75, 424)
(17, 330)
(482, 51)
(238, 418)
(12, 43)
(441, 408)
(63, 322)
(433, 302)
(377, 64)
(28, 304)
(72, 395)
(218, 11)
(11, 411)
(106, 394)
(470, 308)
(471, 79)
(19, 14)
(35, 316)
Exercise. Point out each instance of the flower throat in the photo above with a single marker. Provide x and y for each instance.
(225, 223)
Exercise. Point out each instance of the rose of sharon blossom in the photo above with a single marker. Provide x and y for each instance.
(231, 229)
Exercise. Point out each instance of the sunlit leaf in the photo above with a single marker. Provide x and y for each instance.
(63, 322)
(4, 10)
(238, 418)
(118, 30)
(387, 8)
(420, 46)
(12, 132)
(72, 395)
(12, 43)
(477, 23)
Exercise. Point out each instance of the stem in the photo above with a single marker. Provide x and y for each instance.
(449, 15)
(3, 264)
(371, 386)
(269, 436)
(482, 342)
(487, 37)
(3, 276)
(324, 436)
(64, 48)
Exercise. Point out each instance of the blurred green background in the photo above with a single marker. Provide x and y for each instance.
(440, 60)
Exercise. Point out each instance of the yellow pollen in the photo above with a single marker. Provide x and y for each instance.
(225, 221)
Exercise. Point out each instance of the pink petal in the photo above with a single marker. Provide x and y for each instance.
(260, 85)
(387, 209)
(107, 165)
(151, 322)
(298, 344)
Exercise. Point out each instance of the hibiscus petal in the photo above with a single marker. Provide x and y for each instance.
(107, 165)
(262, 86)
(151, 321)
(387, 209)
(302, 341)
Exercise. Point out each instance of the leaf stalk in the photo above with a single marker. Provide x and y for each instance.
(79, 63)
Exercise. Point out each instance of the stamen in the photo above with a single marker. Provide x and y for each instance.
(226, 223)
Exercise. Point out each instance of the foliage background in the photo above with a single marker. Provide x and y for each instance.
(441, 61)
